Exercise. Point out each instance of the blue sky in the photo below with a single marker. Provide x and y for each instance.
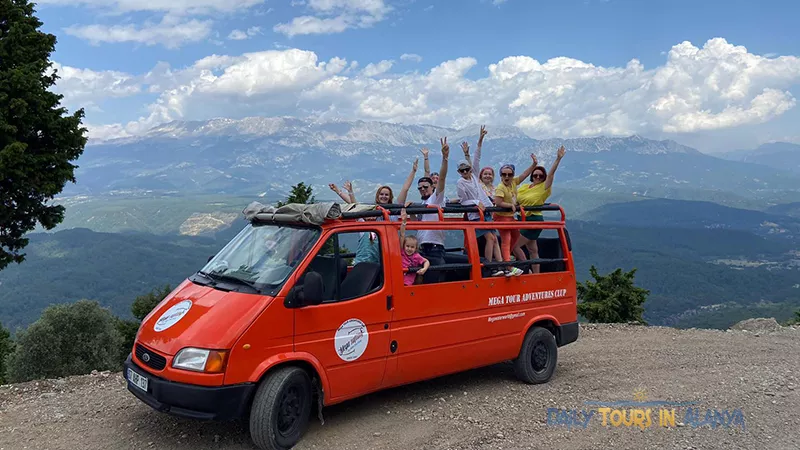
(119, 51)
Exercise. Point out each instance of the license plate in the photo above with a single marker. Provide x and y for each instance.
(137, 380)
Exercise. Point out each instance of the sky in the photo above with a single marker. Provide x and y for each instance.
(714, 74)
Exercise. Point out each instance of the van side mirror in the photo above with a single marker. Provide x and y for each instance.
(313, 289)
(308, 293)
(209, 259)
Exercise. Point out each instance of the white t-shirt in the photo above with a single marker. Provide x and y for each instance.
(432, 236)
(471, 193)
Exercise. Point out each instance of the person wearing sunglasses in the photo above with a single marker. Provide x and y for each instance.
(431, 242)
(536, 193)
(505, 196)
(470, 193)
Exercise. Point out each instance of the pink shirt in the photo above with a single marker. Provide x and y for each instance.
(415, 260)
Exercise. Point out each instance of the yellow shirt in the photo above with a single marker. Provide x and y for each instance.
(508, 194)
(533, 195)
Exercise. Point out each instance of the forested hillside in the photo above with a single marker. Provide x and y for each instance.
(684, 268)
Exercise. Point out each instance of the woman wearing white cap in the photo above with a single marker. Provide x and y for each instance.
(470, 193)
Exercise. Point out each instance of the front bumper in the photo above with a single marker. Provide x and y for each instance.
(188, 400)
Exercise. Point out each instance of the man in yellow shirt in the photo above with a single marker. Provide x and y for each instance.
(535, 194)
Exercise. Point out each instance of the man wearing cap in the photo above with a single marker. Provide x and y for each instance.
(431, 242)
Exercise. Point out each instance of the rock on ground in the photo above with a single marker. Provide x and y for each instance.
(730, 372)
(757, 325)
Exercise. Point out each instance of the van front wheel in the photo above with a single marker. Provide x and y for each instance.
(537, 357)
(281, 409)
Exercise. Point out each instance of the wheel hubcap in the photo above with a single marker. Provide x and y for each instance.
(539, 356)
(289, 411)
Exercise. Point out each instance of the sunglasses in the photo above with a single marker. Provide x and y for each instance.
(538, 176)
(465, 170)
(422, 188)
(506, 174)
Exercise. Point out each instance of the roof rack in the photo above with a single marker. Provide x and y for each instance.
(393, 209)
(318, 213)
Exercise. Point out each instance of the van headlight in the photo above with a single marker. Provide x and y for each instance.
(200, 360)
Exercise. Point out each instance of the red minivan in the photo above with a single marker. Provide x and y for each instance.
(307, 307)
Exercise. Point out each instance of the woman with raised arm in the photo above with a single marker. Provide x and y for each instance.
(384, 195)
(536, 193)
(505, 196)
(470, 193)
(350, 198)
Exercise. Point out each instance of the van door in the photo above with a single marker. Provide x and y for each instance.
(349, 331)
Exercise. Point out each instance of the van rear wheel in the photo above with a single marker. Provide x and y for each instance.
(281, 409)
(537, 357)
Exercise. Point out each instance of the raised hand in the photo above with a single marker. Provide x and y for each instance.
(333, 187)
(348, 186)
(561, 152)
(465, 148)
(482, 135)
(535, 161)
(424, 152)
(403, 215)
(445, 147)
(415, 166)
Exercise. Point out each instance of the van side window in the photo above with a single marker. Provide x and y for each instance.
(448, 264)
(551, 258)
(351, 265)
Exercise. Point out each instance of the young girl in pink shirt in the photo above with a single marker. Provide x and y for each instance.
(410, 256)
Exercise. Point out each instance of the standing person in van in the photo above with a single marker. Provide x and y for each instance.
(410, 256)
(470, 193)
(487, 182)
(383, 195)
(431, 242)
(433, 176)
(536, 193)
(506, 197)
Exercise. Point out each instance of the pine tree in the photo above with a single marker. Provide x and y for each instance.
(611, 298)
(300, 193)
(37, 140)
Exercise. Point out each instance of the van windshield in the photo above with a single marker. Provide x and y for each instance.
(261, 256)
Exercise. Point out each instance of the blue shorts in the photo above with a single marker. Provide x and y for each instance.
(487, 217)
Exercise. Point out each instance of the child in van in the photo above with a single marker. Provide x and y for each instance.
(410, 256)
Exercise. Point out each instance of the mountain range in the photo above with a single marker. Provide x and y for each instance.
(265, 156)
(780, 155)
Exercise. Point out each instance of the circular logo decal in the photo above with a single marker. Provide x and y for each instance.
(172, 315)
(351, 340)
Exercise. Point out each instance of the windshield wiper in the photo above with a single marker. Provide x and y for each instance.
(223, 277)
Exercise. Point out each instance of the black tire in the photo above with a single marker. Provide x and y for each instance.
(281, 409)
(538, 356)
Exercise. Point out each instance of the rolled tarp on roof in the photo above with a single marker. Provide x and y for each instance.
(313, 214)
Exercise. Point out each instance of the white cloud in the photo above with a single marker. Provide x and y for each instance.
(714, 87)
(376, 69)
(172, 32)
(167, 6)
(410, 57)
(239, 35)
(334, 16)
(84, 88)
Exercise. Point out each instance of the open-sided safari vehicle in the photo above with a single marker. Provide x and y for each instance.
(287, 318)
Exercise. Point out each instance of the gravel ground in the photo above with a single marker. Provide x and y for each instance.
(755, 373)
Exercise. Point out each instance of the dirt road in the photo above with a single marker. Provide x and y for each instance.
(752, 380)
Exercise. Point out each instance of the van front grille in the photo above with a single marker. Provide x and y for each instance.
(150, 358)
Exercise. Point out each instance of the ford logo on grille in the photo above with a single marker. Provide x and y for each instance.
(146, 357)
